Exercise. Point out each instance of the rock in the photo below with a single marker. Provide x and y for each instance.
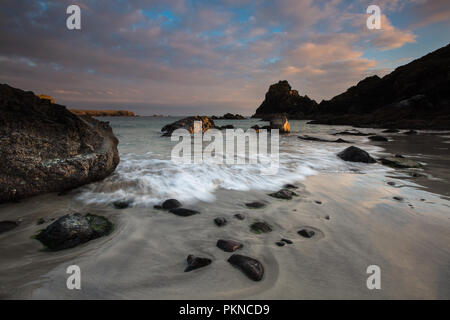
(290, 186)
(171, 204)
(220, 221)
(378, 138)
(318, 201)
(157, 207)
(255, 205)
(122, 204)
(182, 212)
(391, 183)
(283, 194)
(45, 148)
(327, 217)
(280, 122)
(410, 132)
(400, 162)
(251, 267)
(306, 233)
(413, 96)
(239, 216)
(40, 221)
(196, 262)
(353, 133)
(397, 198)
(229, 116)
(188, 124)
(229, 245)
(280, 243)
(355, 154)
(282, 99)
(103, 113)
(286, 240)
(7, 226)
(391, 131)
(309, 138)
(73, 229)
(260, 227)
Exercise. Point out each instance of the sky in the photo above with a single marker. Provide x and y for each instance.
(185, 57)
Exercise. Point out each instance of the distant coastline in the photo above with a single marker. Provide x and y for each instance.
(103, 113)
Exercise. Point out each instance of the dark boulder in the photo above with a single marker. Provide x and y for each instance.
(249, 266)
(229, 245)
(122, 204)
(285, 194)
(306, 233)
(391, 131)
(189, 124)
(355, 154)
(45, 148)
(400, 162)
(378, 138)
(410, 132)
(280, 243)
(74, 229)
(7, 226)
(182, 212)
(309, 138)
(239, 216)
(196, 262)
(171, 204)
(286, 240)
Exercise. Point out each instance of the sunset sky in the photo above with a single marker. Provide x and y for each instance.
(181, 57)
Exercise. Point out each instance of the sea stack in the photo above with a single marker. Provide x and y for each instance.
(45, 148)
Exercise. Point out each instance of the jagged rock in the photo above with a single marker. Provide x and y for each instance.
(229, 116)
(282, 99)
(220, 221)
(103, 113)
(355, 154)
(400, 162)
(188, 124)
(182, 212)
(45, 148)
(414, 96)
(7, 226)
(378, 138)
(251, 267)
(171, 204)
(74, 229)
(196, 262)
(283, 194)
(260, 227)
(229, 245)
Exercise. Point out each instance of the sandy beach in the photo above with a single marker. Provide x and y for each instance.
(358, 223)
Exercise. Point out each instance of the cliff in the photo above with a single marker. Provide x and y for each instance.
(103, 113)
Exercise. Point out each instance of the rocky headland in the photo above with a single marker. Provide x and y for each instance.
(45, 148)
(103, 113)
(414, 96)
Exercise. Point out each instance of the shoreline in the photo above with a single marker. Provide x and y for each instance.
(145, 255)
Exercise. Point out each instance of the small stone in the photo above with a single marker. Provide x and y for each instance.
(391, 183)
(40, 221)
(196, 262)
(410, 132)
(239, 216)
(285, 194)
(255, 205)
(377, 138)
(260, 227)
(390, 131)
(220, 221)
(318, 201)
(171, 204)
(182, 212)
(7, 226)
(327, 217)
(229, 245)
(286, 240)
(290, 186)
(280, 243)
(398, 198)
(305, 233)
(122, 204)
(249, 266)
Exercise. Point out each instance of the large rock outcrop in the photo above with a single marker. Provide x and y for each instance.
(188, 124)
(103, 113)
(46, 148)
(282, 99)
(415, 95)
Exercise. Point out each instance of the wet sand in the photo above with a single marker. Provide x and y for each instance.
(145, 256)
